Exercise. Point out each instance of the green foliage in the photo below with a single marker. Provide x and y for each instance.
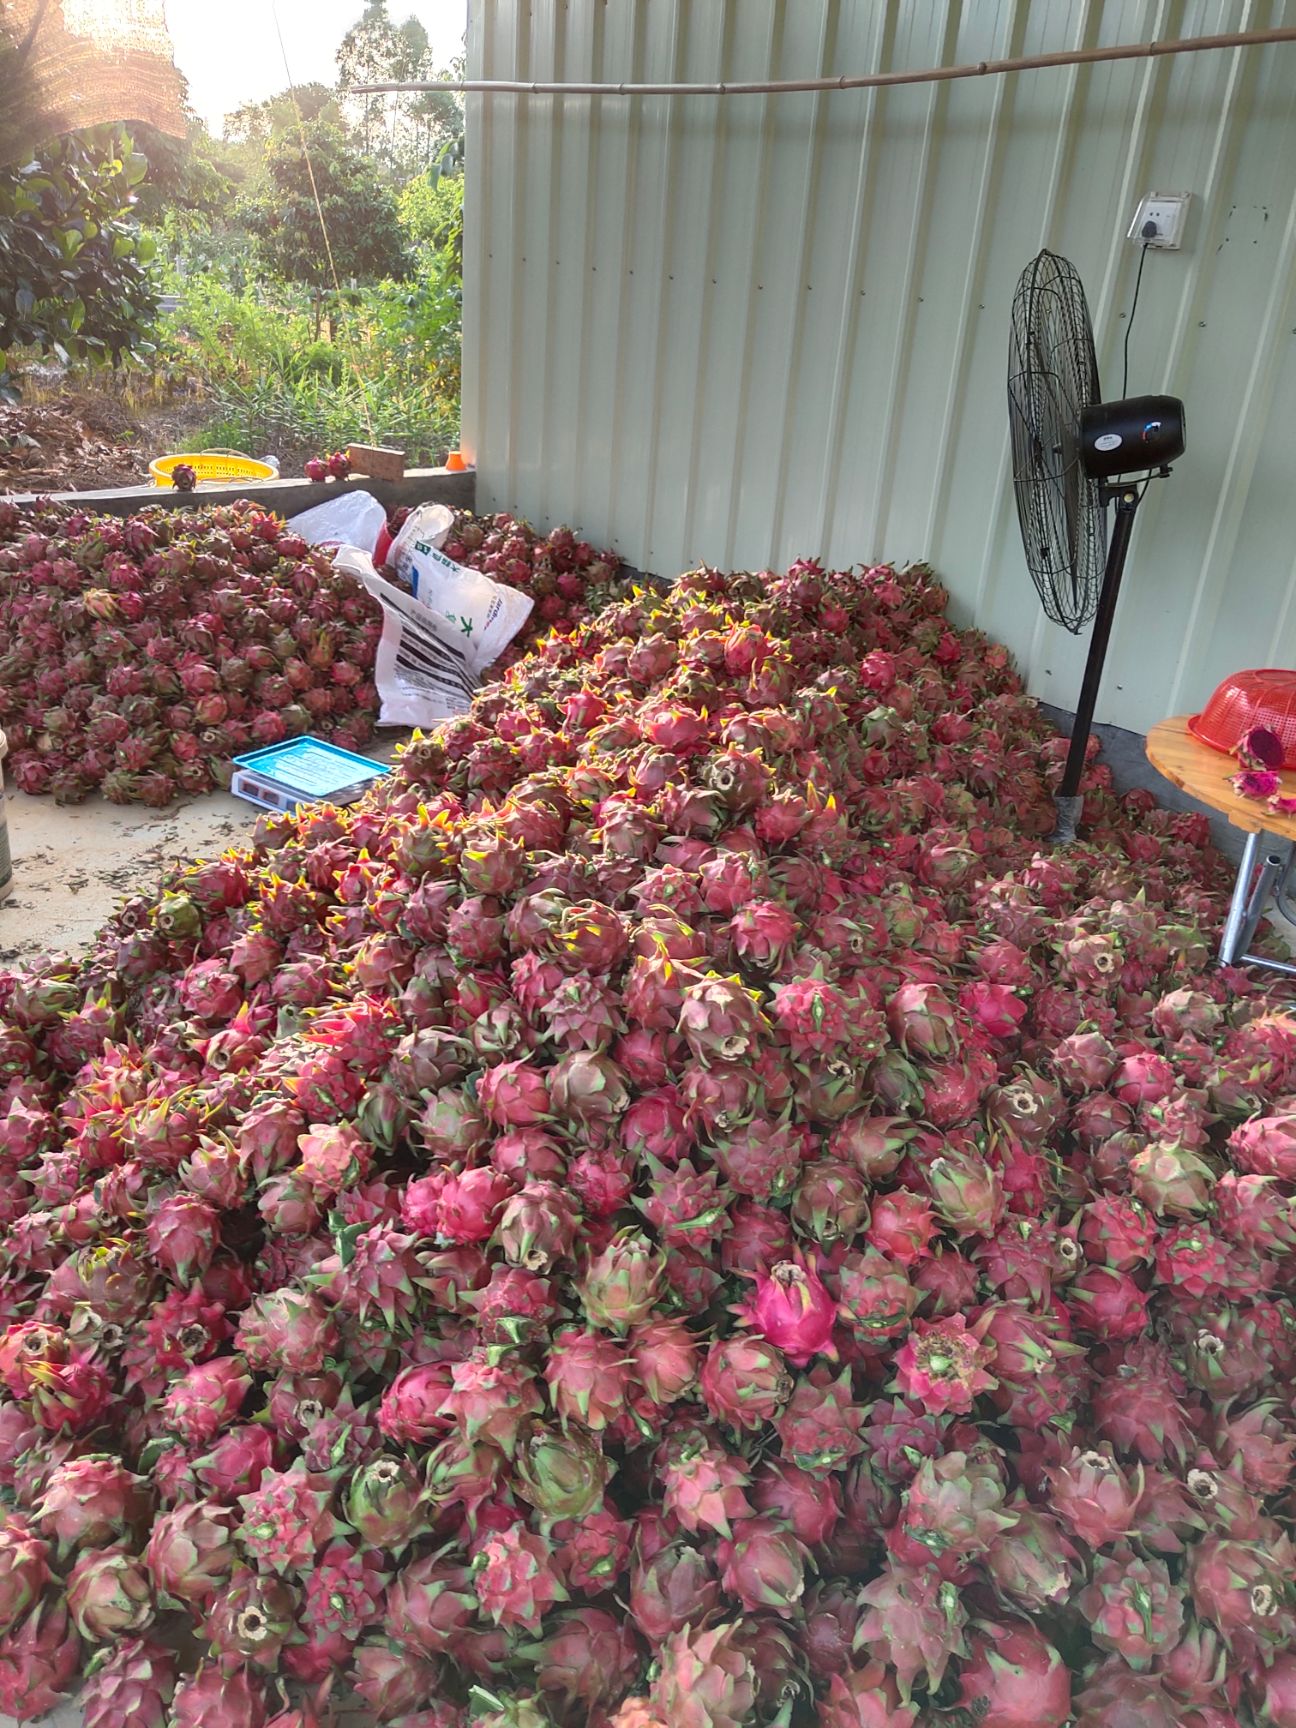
(431, 213)
(414, 328)
(216, 334)
(76, 282)
(271, 388)
(258, 122)
(322, 360)
(287, 363)
(293, 419)
(190, 181)
(359, 211)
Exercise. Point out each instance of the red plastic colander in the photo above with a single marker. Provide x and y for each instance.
(1265, 697)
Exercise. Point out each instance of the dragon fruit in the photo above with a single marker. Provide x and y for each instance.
(1014, 1676)
(744, 1381)
(39, 1658)
(108, 1594)
(915, 1622)
(705, 1681)
(516, 1579)
(24, 1571)
(1132, 1606)
(762, 1565)
(252, 1620)
(793, 1310)
(676, 1208)
(943, 1364)
(209, 1695)
(135, 1685)
(288, 1519)
(188, 634)
(207, 1398)
(191, 1553)
(90, 1500)
(587, 1658)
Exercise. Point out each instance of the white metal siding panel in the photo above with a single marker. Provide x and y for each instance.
(739, 329)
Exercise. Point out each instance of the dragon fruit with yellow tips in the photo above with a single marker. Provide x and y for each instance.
(678, 1208)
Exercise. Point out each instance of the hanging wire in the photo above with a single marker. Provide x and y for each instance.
(319, 210)
(1138, 283)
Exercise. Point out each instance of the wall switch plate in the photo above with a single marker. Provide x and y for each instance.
(1168, 213)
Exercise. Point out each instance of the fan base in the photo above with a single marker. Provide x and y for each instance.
(1069, 811)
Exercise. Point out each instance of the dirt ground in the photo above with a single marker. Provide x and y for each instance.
(60, 440)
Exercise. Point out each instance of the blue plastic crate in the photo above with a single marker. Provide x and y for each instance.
(303, 771)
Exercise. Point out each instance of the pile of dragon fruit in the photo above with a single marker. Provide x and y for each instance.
(679, 1211)
(137, 657)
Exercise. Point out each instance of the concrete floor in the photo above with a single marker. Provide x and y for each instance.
(72, 865)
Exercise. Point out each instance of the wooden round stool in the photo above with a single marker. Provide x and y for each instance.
(1204, 774)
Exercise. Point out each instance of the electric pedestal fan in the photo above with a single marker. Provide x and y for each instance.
(1073, 455)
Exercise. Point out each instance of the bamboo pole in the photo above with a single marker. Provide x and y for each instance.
(847, 81)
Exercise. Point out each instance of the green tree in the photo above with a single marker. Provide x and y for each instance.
(405, 130)
(75, 282)
(258, 122)
(359, 210)
(190, 181)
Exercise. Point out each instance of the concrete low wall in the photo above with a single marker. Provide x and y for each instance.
(288, 497)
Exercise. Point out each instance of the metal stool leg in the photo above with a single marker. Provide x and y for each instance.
(1269, 873)
(1231, 942)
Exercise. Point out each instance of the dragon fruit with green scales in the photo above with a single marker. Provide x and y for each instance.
(680, 979)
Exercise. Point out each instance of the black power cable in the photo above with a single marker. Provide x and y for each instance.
(1148, 237)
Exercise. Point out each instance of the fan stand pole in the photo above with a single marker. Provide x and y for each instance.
(1068, 802)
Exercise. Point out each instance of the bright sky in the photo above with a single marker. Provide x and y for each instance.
(229, 52)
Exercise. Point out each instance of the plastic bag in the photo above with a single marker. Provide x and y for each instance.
(429, 663)
(489, 613)
(417, 547)
(351, 519)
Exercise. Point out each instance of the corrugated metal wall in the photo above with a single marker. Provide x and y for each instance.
(740, 329)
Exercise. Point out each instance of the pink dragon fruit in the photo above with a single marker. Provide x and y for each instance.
(24, 1571)
(944, 1364)
(413, 1406)
(516, 1580)
(236, 1700)
(39, 1660)
(1014, 1676)
(793, 1310)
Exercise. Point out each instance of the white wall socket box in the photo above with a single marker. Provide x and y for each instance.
(1168, 213)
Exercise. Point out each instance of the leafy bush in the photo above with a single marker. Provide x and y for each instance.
(248, 339)
(296, 418)
(222, 335)
(75, 282)
(272, 388)
(322, 360)
(431, 213)
(365, 241)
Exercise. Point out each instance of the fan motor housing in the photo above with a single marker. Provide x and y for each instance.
(1127, 437)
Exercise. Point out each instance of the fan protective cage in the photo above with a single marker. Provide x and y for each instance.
(1052, 376)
